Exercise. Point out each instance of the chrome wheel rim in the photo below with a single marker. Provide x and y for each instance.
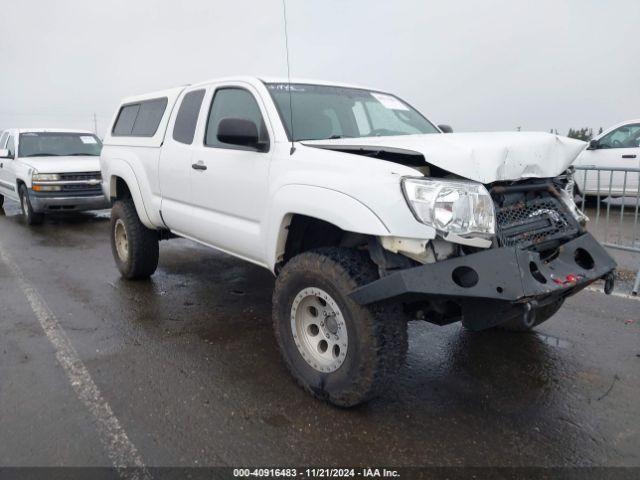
(121, 241)
(319, 330)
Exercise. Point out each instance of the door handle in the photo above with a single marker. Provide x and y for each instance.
(199, 166)
(628, 156)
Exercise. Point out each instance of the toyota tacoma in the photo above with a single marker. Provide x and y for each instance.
(367, 213)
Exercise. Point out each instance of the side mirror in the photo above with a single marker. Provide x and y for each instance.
(238, 131)
(445, 128)
(593, 145)
(4, 153)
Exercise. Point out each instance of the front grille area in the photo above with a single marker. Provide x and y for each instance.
(74, 177)
(533, 222)
(81, 188)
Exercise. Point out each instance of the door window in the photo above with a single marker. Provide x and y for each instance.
(233, 103)
(626, 136)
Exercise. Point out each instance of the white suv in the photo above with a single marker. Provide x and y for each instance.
(50, 170)
(366, 211)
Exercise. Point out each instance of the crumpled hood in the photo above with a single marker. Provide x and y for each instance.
(484, 157)
(74, 164)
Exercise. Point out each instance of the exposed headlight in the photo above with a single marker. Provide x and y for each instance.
(456, 207)
(567, 193)
(45, 177)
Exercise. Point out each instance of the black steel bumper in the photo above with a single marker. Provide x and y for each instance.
(498, 283)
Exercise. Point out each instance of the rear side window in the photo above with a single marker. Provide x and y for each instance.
(140, 119)
(187, 118)
(11, 146)
(126, 118)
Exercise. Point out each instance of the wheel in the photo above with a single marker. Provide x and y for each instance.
(134, 246)
(542, 314)
(30, 217)
(336, 349)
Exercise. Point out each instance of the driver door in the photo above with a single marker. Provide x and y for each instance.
(229, 183)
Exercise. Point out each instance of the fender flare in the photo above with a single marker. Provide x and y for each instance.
(325, 204)
(120, 169)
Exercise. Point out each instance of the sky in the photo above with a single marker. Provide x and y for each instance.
(476, 65)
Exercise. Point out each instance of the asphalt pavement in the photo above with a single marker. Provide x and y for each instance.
(183, 370)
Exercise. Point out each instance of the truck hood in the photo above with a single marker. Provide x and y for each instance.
(483, 157)
(75, 164)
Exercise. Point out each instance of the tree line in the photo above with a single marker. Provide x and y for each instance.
(584, 134)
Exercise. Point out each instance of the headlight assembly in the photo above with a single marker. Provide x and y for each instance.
(451, 206)
(40, 182)
(45, 177)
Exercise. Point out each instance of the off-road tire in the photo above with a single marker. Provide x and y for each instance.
(377, 334)
(542, 314)
(141, 260)
(30, 217)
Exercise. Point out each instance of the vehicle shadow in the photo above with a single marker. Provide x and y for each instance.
(77, 218)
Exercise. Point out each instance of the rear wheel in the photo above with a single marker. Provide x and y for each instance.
(134, 246)
(337, 350)
(541, 314)
(30, 217)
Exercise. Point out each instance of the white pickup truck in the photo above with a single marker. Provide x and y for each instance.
(367, 213)
(50, 171)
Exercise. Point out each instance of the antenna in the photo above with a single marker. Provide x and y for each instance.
(286, 45)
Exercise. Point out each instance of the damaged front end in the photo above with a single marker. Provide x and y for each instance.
(540, 254)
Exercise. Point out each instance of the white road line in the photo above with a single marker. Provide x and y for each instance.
(615, 294)
(121, 451)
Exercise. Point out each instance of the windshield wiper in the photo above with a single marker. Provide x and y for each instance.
(83, 155)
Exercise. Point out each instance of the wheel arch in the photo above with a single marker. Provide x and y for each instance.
(320, 206)
(123, 183)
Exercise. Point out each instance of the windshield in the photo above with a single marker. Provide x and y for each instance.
(47, 144)
(324, 112)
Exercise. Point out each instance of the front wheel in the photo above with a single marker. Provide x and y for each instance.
(30, 217)
(338, 350)
(134, 246)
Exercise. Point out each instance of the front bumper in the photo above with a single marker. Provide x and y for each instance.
(58, 202)
(498, 283)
